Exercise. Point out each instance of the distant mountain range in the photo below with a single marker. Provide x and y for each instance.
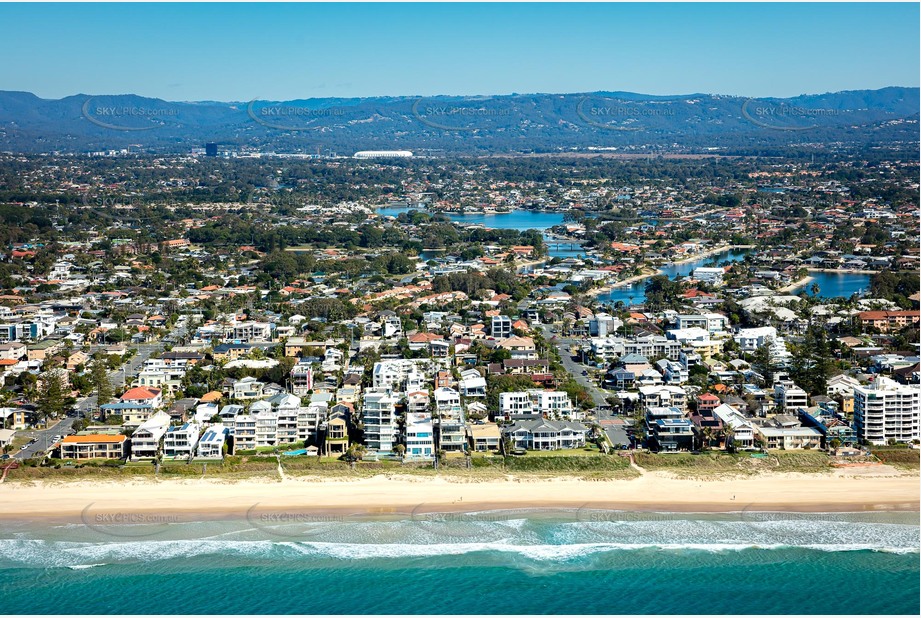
(529, 123)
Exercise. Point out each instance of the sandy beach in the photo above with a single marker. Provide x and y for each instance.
(880, 488)
(794, 285)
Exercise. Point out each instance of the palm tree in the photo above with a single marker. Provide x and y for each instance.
(400, 450)
(707, 434)
(729, 436)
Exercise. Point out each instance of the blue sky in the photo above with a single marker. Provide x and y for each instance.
(238, 52)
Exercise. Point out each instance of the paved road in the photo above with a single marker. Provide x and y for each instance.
(43, 438)
(563, 346)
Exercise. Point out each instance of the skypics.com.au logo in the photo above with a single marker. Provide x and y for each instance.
(617, 115)
(128, 117)
(780, 116)
(465, 116)
(290, 117)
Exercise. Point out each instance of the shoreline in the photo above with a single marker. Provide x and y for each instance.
(843, 271)
(799, 283)
(394, 496)
(610, 287)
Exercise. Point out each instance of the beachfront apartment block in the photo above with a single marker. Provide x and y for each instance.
(785, 431)
(181, 441)
(449, 420)
(420, 436)
(379, 414)
(94, 446)
(887, 410)
(244, 432)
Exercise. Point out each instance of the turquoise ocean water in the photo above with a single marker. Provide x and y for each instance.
(591, 562)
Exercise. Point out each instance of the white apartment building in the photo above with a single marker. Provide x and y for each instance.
(790, 396)
(420, 436)
(750, 339)
(709, 274)
(472, 384)
(552, 404)
(378, 412)
(396, 374)
(664, 396)
(515, 404)
(607, 349)
(887, 410)
(711, 322)
(654, 346)
(252, 332)
(244, 433)
(500, 327)
(449, 421)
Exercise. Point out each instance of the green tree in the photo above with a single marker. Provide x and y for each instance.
(99, 377)
(52, 398)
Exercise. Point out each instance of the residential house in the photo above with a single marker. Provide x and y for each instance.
(484, 436)
(180, 441)
(147, 438)
(546, 435)
(211, 444)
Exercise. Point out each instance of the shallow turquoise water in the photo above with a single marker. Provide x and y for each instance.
(592, 562)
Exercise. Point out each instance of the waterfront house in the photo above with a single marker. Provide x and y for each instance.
(146, 439)
(484, 436)
(211, 444)
(545, 435)
(181, 441)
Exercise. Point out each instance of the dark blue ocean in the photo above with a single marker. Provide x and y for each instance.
(585, 562)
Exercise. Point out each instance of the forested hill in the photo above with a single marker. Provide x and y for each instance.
(619, 122)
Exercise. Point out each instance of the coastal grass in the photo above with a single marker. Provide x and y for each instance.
(730, 464)
(582, 463)
(903, 458)
(578, 464)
